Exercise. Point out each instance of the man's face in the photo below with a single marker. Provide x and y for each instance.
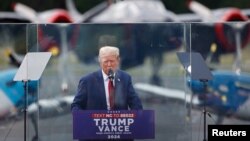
(109, 61)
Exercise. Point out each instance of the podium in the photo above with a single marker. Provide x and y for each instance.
(120, 124)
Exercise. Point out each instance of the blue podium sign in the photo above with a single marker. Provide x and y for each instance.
(103, 124)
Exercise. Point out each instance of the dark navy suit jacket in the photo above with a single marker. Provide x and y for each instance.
(91, 93)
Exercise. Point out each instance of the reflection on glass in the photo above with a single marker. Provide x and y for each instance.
(148, 53)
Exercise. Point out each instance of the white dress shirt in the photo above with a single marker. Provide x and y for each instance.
(106, 81)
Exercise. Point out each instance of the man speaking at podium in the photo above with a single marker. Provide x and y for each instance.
(108, 88)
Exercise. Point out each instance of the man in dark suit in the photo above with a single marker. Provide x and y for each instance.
(93, 89)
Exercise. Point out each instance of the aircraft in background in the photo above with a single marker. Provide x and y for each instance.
(12, 92)
(107, 11)
(172, 37)
(221, 27)
(13, 98)
(137, 36)
(25, 14)
(227, 94)
(218, 39)
(98, 14)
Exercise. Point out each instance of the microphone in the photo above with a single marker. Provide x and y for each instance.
(111, 74)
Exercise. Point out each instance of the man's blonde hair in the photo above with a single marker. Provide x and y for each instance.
(111, 50)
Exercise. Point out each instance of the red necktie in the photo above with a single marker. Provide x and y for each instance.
(111, 94)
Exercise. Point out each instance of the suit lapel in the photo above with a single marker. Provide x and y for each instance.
(100, 83)
(118, 89)
(117, 81)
